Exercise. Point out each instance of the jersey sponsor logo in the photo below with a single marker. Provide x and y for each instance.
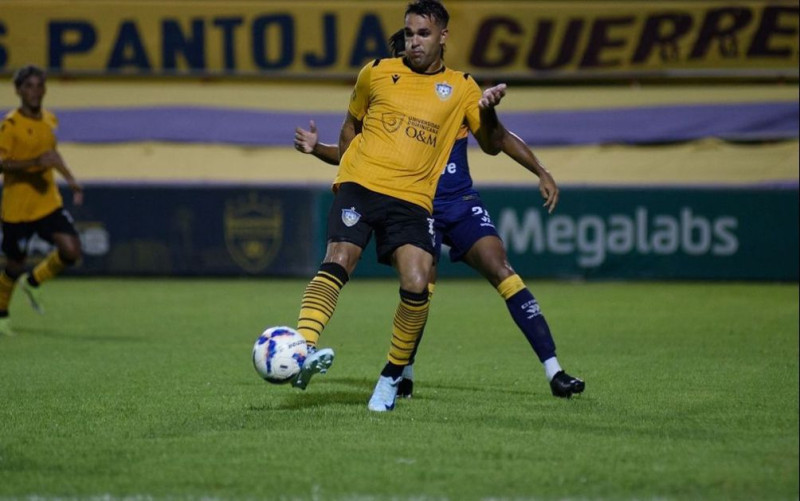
(350, 217)
(392, 121)
(532, 309)
(422, 130)
(395, 78)
(444, 91)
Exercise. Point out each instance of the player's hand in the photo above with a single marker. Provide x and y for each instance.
(549, 191)
(306, 140)
(492, 96)
(77, 194)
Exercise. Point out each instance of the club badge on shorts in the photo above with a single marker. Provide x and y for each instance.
(350, 217)
(444, 91)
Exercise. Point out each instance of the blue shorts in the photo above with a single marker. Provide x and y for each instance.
(459, 223)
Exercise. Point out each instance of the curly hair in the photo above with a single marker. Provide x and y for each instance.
(26, 72)
(397, 43)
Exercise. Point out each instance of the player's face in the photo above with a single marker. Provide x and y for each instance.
(424, 40)
(31, 92)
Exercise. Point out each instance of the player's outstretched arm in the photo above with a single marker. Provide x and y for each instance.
(20, 165)
(516, 148)
(307, 141)
(490, 135)
(55, 161)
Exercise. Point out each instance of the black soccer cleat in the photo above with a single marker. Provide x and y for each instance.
(405, 388)
(563, 385)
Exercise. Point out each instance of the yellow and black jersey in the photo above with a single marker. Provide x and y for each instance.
(410, 121)
(30, 194)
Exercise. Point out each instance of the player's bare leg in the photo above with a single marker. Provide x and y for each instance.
(413, 265)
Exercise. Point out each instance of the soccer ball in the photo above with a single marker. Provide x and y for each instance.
(279, 354)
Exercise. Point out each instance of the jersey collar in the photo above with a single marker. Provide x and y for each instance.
(440, 70)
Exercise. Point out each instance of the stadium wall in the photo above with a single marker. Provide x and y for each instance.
(747, 233)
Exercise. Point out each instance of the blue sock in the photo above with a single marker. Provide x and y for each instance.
(528, 316)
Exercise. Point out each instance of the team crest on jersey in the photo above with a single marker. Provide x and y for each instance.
(444, 91)
(392, 121)
(350, 217)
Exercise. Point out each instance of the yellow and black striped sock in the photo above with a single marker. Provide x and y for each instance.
(48, 268)
(431, 288)
(319, 301)
(409, 321)
(6, 288)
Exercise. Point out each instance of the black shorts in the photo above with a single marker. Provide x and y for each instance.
(17, 235)
(358, 212)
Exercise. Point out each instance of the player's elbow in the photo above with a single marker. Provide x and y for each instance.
(491, 145)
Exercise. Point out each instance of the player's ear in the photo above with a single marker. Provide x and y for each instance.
(443, 36)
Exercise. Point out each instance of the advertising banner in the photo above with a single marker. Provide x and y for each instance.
(642, 233)
(508, 40)
(595, 233)
(172, 230)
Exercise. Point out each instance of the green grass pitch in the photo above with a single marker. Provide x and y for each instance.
(144, 389)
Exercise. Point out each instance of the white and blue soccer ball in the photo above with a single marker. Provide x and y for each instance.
(278, 354)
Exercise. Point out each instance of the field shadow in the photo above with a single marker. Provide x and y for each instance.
(56, 334)
(303, 401)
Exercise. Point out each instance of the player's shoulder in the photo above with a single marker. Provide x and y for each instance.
(50, 118)
(389, 64)
(9, 121)
(461, 80)
(11, 116)
(458, 75)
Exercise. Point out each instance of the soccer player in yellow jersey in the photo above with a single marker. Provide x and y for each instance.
(463, 223)
(31, 203)
(403, 118)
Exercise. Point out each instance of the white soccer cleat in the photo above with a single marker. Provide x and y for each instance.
(5, 327)
(34, 294)
(317, 361)
(385, 394)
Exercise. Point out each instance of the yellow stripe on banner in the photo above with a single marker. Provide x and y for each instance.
(696, 163)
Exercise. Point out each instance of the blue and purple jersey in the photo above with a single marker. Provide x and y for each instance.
(460, 218)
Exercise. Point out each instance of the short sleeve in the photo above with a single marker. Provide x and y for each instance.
(472, 112)
(6, 138)
(359, 100)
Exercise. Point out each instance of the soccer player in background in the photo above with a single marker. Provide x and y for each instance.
(463, 223)
(403, 117)
(31, 203)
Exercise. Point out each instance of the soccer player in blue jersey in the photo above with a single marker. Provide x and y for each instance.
(463, 223)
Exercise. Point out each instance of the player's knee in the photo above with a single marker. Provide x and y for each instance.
(344, 254)
(415, 281)
(499, 272)
(70, 254)
(14, 269)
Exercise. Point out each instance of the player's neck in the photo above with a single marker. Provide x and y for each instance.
(435, 67)
(432, 69)
(34, 113)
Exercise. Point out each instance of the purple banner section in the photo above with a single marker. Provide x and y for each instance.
(641, 125)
